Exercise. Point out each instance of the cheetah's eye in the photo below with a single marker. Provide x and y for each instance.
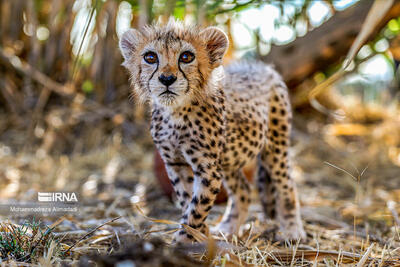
(186, 57)
(150, 57)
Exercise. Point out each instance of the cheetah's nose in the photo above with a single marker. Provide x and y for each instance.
(167, 80)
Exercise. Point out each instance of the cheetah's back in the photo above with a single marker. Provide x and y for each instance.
(252, 78)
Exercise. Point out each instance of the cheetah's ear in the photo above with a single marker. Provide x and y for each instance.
(129, 43)
(216, 44)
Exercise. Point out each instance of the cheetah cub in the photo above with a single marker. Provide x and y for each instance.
(208, 123)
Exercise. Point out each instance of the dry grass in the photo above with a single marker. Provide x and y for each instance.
(349, 220)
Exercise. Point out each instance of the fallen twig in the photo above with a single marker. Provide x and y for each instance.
(22, 67)
(91, 232)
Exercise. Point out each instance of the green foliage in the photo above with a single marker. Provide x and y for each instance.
(87, 86)
(392, 29)
(26, 243)
(394, 26)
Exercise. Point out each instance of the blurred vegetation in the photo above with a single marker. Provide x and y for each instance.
(60, 67)
(60, 64)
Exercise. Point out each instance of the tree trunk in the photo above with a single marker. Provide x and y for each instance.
(325, 45)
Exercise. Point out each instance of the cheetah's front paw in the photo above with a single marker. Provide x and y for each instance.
(228, 229)
(292, 232)
(182, 237)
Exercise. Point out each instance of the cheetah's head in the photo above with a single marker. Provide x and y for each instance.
(171, 64)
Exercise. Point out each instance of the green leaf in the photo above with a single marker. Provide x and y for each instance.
(87, 87)
(393, 25)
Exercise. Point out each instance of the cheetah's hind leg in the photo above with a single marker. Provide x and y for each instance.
(287, 207)
(266, 190)
(236, 211)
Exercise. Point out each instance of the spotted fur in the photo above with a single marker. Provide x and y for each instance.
(210, 122)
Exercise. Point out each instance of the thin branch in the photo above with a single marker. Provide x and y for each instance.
(23, 68)
(88, 21)
(90, 233)
(343, 170)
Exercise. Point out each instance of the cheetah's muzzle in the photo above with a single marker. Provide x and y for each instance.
(168, 92)
(212, 123)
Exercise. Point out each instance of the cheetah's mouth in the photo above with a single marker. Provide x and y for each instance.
(168, 92)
